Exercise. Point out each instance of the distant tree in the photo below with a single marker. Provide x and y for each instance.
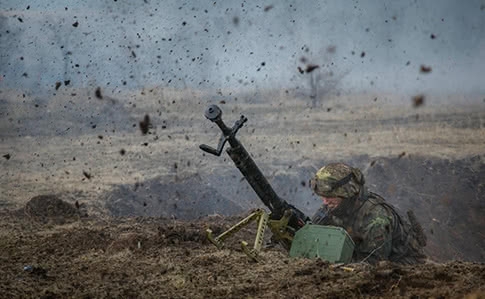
(322, 82)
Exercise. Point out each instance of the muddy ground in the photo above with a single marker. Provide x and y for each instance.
(93, 205)
(163, 258)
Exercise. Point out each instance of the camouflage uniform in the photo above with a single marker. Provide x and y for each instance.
(378, 231)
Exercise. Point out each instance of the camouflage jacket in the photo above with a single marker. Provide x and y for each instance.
(379, 232)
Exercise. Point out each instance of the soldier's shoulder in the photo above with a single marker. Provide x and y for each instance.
(375, 205)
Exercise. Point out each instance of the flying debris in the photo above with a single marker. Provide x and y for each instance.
(425, 69)
(87, 175)
(418, 100)
(98, 94)
(145, 124)
(309, 68)
(268, 8)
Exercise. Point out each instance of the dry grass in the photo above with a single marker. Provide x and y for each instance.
(280, 131)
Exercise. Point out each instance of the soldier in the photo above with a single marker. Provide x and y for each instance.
(378, 231)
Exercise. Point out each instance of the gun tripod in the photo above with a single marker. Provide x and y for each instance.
(278, 228)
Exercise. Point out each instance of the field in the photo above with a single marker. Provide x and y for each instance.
(123, 211)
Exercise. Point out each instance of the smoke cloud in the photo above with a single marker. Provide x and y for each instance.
(244, 45)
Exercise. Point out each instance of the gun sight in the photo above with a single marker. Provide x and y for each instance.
(214, 114)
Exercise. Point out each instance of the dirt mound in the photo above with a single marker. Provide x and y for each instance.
(451, 215)
(187, 198)
(447, 197)
(165, 258)
(50, 208)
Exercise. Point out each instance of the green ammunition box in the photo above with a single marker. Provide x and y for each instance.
(329, 243)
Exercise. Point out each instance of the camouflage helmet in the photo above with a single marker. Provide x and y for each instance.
(337, 180)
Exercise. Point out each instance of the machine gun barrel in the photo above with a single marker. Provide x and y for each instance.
(250, 170)
(255, 178)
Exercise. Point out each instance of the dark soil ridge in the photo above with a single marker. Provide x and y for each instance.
(50, 208)
(166, 258)
(447, 196)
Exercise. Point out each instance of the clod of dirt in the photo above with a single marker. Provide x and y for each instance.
(311, 67)
(425, 69)
(145, 124)
(98, 94)
(87, 175)
(37, 271)
(50, 208)
(418, 100)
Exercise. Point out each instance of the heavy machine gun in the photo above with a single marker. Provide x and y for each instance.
(284, 219)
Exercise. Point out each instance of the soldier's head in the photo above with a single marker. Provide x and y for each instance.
(337, 183)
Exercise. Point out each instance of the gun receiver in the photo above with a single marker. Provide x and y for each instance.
(286, 219)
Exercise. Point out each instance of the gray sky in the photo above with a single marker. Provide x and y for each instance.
(244, 45)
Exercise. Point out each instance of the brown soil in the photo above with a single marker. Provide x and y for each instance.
(160, 258)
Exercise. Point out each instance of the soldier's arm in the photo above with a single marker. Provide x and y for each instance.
(377, 237)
